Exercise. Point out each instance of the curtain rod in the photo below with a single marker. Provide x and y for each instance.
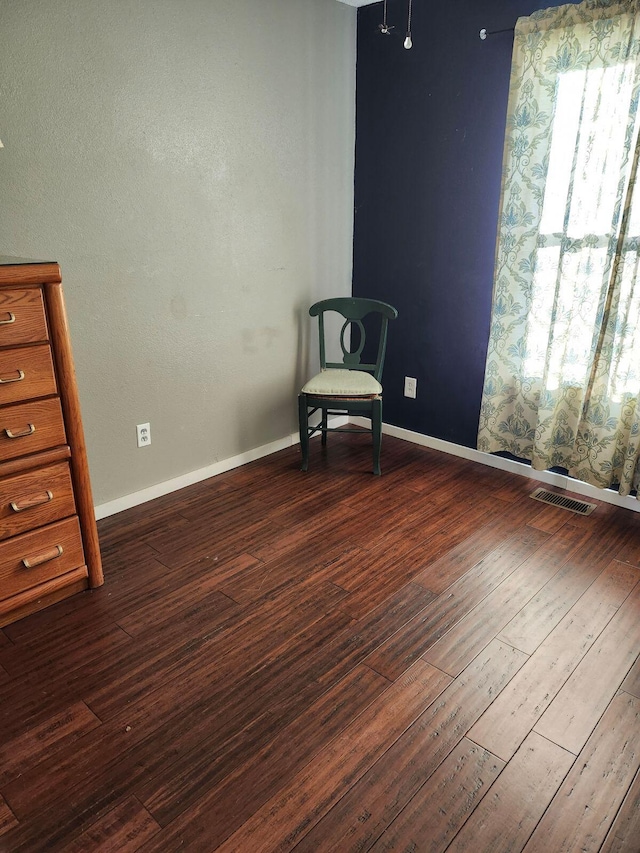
(485, 33)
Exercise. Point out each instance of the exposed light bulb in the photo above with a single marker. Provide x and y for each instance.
(408, 44)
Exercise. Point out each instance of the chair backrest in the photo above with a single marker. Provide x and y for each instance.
(354, 311)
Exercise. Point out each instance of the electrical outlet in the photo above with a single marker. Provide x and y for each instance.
(144, 434)
(410, 387)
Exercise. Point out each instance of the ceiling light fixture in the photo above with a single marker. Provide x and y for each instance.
(408, 44)
(384, 28)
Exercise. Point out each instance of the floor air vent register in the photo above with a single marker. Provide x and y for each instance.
(554, 499)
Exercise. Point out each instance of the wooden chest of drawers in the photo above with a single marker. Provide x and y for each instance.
(48, 538)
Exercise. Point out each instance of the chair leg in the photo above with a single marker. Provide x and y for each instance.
(303, 422)
(376, 429)
(324, 427)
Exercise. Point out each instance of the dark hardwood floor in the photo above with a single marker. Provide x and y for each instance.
(425, 661)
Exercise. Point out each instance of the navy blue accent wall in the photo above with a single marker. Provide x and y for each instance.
(429, 141)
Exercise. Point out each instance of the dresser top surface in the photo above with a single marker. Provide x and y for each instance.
(9, 261)
(18, 271)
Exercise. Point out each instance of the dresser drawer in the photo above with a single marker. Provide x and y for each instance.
(22, 318)
(26, 372)
(35, 498)
(30, 427)
(30, 559)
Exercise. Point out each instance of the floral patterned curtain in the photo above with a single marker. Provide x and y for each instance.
(562, 380)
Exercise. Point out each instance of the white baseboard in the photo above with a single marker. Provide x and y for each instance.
(559, 480)
(160, 489)
(136, 498)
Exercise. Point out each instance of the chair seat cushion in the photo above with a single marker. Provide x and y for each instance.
(343, 383)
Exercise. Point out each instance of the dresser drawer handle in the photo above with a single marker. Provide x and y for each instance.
(18, 378)
(28, 431)
(30, 503)
(12, 319)
(52, 554)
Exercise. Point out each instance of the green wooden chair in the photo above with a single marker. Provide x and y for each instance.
(348, 386)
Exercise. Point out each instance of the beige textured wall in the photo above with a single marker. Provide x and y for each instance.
(189, 163)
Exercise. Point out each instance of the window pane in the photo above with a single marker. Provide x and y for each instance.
(625, 369)
(563, 313)
(599, 162)
(633, 226)
(563, 145)
(575, 312)
(539, 317)
(589, 100)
